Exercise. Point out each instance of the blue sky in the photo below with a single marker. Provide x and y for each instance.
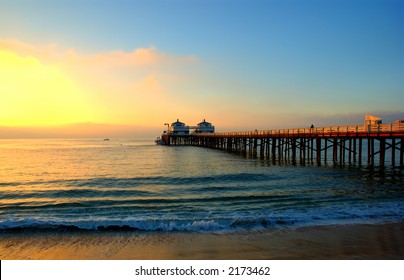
(297, 60)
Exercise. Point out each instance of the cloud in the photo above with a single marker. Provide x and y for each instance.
(82, 130)
(136, 58)
(120, 86)
(142, 66)
(43, 52)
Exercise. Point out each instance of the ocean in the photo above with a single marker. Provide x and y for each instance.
(135, 185)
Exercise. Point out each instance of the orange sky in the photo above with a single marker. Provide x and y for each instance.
(48, 91)
(47, 87)
(44, 86)
(137, 66)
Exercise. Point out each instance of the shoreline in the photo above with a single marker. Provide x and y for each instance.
(356, 241)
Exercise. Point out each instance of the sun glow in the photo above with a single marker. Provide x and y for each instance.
(36, 94)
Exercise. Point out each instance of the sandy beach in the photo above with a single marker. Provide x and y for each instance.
(364, 241)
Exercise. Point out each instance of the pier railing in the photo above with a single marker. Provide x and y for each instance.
(363, 130)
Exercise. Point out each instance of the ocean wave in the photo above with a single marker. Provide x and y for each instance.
(214, 222)
(149, 180)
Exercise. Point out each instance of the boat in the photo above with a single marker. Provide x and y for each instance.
(159, 141)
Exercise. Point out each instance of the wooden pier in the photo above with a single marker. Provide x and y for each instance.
(374, 145)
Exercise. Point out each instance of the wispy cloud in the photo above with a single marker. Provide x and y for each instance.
(138, 57)
(44, 52)
(121, 86)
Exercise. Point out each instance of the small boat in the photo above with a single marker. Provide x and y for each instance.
(106, 139)
(159, 141)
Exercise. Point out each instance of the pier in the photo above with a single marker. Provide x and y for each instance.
(371, 145)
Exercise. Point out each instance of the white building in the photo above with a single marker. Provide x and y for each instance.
(179, 128)
(371, 121)
(205, 127)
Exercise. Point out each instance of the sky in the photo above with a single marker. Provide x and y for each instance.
(97, 68)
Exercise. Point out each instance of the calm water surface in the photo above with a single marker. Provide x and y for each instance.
(134, 184)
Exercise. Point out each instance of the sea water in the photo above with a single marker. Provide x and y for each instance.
(132, 184)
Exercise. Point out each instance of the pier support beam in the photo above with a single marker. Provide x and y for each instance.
(393, 152)
(318, 151)
(382, 151)
(305, 147)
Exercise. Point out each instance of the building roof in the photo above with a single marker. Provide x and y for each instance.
(204, 123)
(372, 118)
(178, 123)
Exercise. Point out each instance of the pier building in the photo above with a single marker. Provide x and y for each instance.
(205, 127)
(179, 128)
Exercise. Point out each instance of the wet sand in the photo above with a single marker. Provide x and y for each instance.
(384, 241)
